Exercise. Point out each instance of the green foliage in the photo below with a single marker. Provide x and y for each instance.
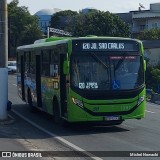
(23, 27)
(92, 23)
(152, 34)
(100, 24)
(61, 20)
(156, 74)
(152, 77)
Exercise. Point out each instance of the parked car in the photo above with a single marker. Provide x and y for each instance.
(12, 66)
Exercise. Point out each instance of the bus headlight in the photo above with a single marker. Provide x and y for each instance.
(140, 101)
(77, 102)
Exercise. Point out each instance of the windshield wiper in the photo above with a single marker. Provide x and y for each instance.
(120, 61)
(99, 60)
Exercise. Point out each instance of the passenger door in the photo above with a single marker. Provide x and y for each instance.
(63, 87)
(22, 76)
(38, 81)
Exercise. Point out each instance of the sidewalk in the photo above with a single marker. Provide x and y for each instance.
(13, 140)
(9, 136)
(18, 135)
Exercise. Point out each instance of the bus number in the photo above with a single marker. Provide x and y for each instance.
(86, 45)
(88, 85)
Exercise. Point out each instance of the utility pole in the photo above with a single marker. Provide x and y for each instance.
(3, 59)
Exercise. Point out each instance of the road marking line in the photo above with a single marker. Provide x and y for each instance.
(14, 84)
(149, 111)
(57, 137)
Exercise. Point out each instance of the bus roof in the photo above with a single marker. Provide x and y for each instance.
(89, 37)
(60, 40)
(42, 44)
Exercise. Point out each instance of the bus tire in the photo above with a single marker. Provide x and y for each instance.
(56, 112)
(32, 108)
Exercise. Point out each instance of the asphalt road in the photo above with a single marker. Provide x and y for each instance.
(132, 135)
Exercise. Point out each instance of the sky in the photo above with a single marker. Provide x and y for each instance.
(114, 6)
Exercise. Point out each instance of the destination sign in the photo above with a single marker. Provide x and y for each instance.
(105, 45)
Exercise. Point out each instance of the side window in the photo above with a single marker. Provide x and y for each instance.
(27, 61)
(45, 68)
(54, 67)
(32, 63)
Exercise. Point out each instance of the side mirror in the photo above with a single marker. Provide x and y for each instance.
(145, 65)
(66, 67)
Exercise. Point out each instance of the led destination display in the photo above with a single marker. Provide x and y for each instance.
(101, 45)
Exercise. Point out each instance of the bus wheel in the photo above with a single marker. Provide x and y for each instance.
(56, 112)
(32, 108)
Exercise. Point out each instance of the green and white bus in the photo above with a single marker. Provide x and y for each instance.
(87, 79)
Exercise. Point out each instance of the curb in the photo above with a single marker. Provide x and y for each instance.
(157, 102)
(7, 121)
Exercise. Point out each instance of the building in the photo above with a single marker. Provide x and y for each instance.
(45, 18)
(89, 9)
(146, 19)
(142, 20)
(127, 18)
(152, 51)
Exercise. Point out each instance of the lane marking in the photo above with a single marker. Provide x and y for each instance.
(14, 84)
(149, 111)
(57, 137)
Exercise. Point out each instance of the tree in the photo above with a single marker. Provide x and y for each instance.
(152, 77)
(155, 78)
(100, 24)
(93, 22)
(63, 19)
(23, 27)
(151, 34)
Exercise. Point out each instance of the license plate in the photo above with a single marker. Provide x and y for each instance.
(112, 118)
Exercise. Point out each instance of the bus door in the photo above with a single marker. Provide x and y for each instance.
(38, 81)
(63, 87)
(22, 70)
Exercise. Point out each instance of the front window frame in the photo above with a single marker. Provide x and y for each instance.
(108, 54)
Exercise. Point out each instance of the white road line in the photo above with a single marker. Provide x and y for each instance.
(57, 137)
(14, 84)
(149, 111)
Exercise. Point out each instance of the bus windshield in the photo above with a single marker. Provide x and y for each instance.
(94, 71)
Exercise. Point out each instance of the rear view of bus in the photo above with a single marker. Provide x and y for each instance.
(106, 80)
